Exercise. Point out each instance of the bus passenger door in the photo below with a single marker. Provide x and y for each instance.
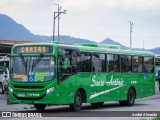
(66, 71)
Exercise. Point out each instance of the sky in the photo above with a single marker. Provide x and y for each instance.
(95, 20)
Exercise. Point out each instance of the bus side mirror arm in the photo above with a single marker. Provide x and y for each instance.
(65, 64)
(4, 67)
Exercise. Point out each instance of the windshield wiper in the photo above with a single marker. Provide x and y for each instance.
(23, 62)
(37, 61)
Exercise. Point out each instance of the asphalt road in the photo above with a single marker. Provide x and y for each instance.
(149, 106)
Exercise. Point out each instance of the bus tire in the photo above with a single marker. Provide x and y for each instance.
(130, 98)
(40, 106)
(97, 104)
(1, 87)
(77, 105)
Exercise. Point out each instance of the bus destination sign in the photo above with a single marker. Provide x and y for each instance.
(33, 49)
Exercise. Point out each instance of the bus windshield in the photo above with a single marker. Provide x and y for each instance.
(32, 69)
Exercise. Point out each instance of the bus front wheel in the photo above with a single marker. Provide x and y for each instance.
(130, 98)
(40, 106)
(77, 105)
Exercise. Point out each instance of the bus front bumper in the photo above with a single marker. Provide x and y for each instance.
(46, 99)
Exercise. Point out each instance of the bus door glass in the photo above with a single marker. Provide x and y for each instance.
(66, 63)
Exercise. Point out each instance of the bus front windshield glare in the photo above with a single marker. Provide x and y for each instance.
(32, 69)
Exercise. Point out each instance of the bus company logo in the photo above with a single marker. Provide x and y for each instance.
(6, 114)
(115, 82)
(97, 83)
(19, 114)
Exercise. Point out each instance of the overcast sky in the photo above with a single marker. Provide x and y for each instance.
(95, 20)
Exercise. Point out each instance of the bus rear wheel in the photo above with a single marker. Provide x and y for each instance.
(97, 104)
(77, 105)
(130, 98)
(40, 106)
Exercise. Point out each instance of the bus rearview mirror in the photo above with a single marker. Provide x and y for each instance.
(4, 67)
(65, 64)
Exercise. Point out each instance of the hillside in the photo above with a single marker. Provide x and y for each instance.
(11, 30)
(110, 41)
(14, 31)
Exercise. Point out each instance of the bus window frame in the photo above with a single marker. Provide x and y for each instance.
(11, 71)
(105, 71)
(58, 61)
(114, 61)
(153, 65)
(142, 65)
(90, 61)
(130, 61)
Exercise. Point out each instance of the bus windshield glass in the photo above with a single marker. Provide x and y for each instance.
(32, 69)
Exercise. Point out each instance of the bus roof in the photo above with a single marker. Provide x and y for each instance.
(107, 48)
(94, 47)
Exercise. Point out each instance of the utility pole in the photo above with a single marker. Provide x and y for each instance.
(57, 15)
(131, 29)
(59, 8)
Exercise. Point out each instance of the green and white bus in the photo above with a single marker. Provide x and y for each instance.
(63, 74)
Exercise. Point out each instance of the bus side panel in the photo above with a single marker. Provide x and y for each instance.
(98, 87)
(66, 90)
(137, 82)
(83, 81)
(112, 87)
(149, 84)
(122, 92)
(70, 86)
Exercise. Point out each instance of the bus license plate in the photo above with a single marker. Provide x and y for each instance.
(21, 95)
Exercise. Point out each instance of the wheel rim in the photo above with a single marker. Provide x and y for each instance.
(78, 101)
(131, 97)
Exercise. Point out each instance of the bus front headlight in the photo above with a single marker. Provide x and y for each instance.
(49, 90)
(10, 89)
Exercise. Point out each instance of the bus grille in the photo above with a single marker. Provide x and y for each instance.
(29, 87)
(25, 98)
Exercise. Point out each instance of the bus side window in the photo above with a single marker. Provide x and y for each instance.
(61, 60)
(64, 64)
(110, 63)
(73, 62)
(70, 57)
(113, 63)
(148, 64)
(68, 60)
(83, 62)
(137, 64)
(126, 64)
(98, 62)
